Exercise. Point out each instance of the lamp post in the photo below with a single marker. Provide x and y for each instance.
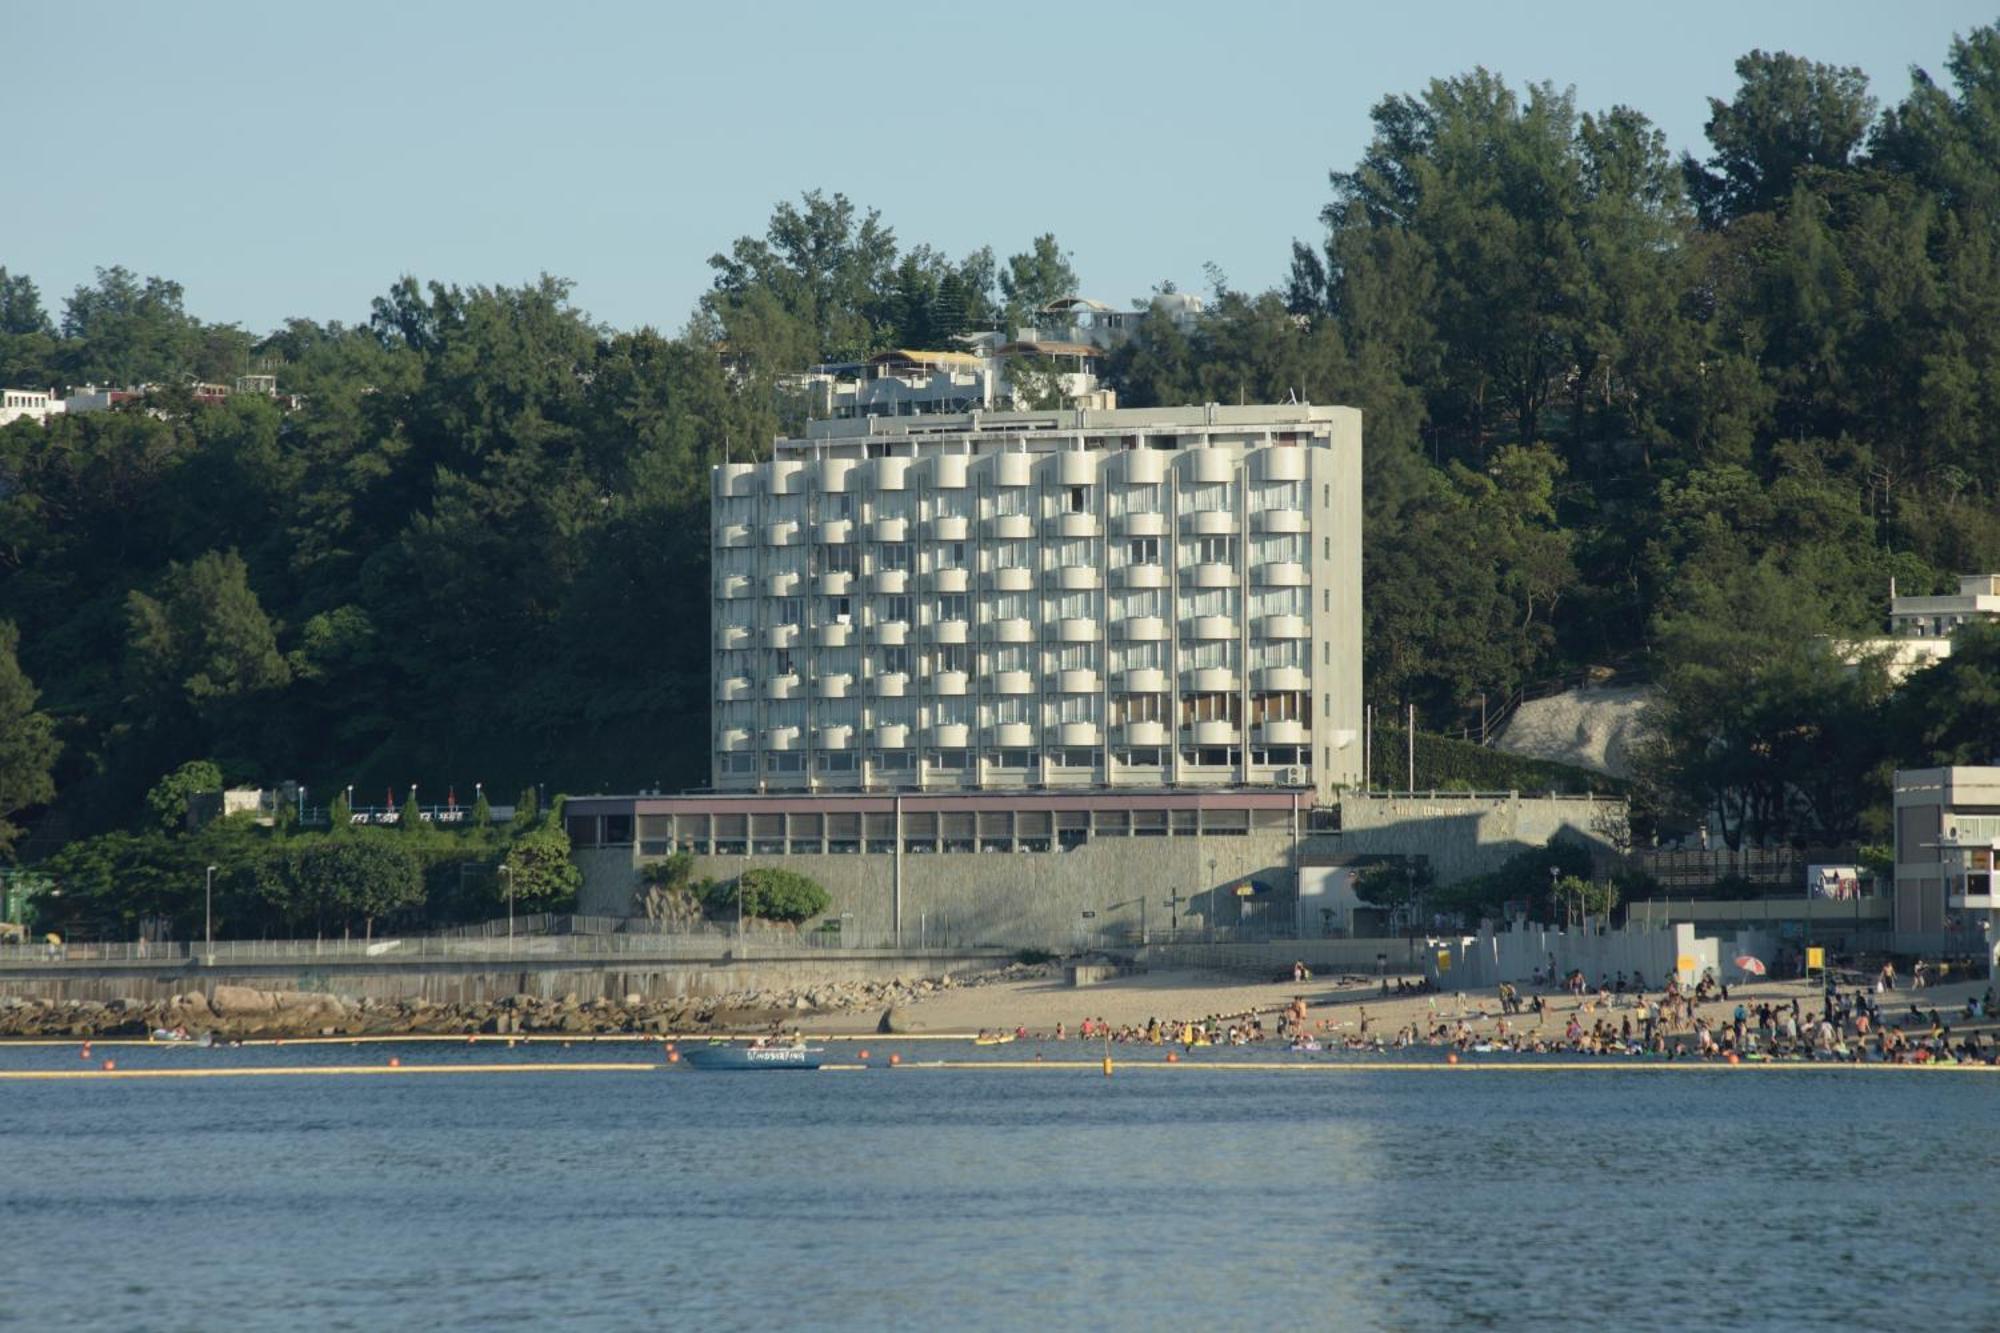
(508, 871)
(208, 913)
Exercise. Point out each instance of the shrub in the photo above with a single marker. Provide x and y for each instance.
(769, 894)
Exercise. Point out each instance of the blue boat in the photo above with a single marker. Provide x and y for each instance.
(754, 1057)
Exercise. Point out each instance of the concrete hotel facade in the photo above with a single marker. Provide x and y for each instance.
(1150, 598)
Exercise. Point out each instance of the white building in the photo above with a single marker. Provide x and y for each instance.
(1920, 628)
(1060, 357)
(36, 404)
(1138, 599)
(1947, 855)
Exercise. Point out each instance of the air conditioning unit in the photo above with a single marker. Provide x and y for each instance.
(1295, 777)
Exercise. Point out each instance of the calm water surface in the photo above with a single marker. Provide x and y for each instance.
(928, 1198)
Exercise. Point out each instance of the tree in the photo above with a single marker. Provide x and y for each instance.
(168, 800)
(1789, 116)
(410, 819)
(772, 894)
(204, 641)
(481, 817)
(364, 877)
(540, 871)
(28, 745)
(1034, 278)
(340, 815)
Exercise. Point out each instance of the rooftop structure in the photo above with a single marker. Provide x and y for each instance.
(1067, 599)
(1947, 845)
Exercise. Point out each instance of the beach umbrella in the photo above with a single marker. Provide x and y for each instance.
(1750, 963)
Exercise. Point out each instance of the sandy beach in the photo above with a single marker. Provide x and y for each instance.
(1333, 1004)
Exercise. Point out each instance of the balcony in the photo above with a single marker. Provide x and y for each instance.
(781, 738)
(1212, 576)
(1013, 470)
(1148, 734)
(1282, 462)
(893, 581)
(950, 682)
(1076, 578)
(1142, 680)
(1076, 467)
(1077, 629)
(893, 633)
(1211, 627)
(785, 476)
(836, 583)
(1078, 680)
(733, 534)
(835, 736)
(889, 529)
(950, 735)
(736, 636)
(1209, 465)
(950, 631)
(1012, 580)
(785, 532)
(1210, 680)
(950, 528)
(734, 688)
(1010, 527)
(835, 634)
(1143, 467)
(1209, 522)
(836, 531)
(1013, 682)
(834, 686)
(1283, 678)
(735, 738)
(1015, 629)
(1281, 733)
(738, 480)
(891, 473)
(1011, 735)
(1077, 525)
(1142, 525)
(1283, 574)
(1144, 628)
(1078, 734)
(951, 580)
(1143, 576)
(731, 586)
(784, 686)
(1283, 627)
(783, 583)
(892, 685)
(781, 636)
(892, 735)
(1215, 733)
(1279, 520)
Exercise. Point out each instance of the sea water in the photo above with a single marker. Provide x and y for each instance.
(1337, 1196)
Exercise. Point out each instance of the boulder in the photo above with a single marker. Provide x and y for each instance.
(242, 1001)
(898, 1021)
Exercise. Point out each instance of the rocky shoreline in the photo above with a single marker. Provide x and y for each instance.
(244, 1012)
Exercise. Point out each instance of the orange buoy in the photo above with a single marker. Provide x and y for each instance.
(673, 1056)
(1732, 1057)
(83, 1054)
(110, 1065)
(1451, 1059)
(864, 1055)
(395, 1062)
(895, 1059)
(1173, 1057)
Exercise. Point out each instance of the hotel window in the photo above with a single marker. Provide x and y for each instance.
(895, 660)
(1077, 657)
(1076, 500)
(1007, 708)
(835, 504)
(1011, 555)
(948, 555)
(895, 608)
(952, 606)
(1142, 551)
(787, 610)
(1076, 605)
(1213, 550)
(1010, 500)
(951, 657)
(1010, 657)
(896, 556)
(838, 558)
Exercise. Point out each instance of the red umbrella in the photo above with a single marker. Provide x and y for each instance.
(1750, 963)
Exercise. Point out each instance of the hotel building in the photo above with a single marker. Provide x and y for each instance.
(1066, 599)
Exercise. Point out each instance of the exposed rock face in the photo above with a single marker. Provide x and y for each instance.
(243, 1011)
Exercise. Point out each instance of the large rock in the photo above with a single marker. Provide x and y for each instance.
(242, 1002)
(899, 1021)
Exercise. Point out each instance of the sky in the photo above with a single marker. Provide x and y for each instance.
(282, 160)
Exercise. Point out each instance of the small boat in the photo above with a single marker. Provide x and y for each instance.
(754, 1057)
(1305, 1044)
(997, 1039)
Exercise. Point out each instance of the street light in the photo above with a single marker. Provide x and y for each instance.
(208, 912)
(510, 902)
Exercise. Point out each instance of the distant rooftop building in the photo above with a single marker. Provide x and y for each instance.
(1060, 357)
(37, 404)
(1978, 598)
